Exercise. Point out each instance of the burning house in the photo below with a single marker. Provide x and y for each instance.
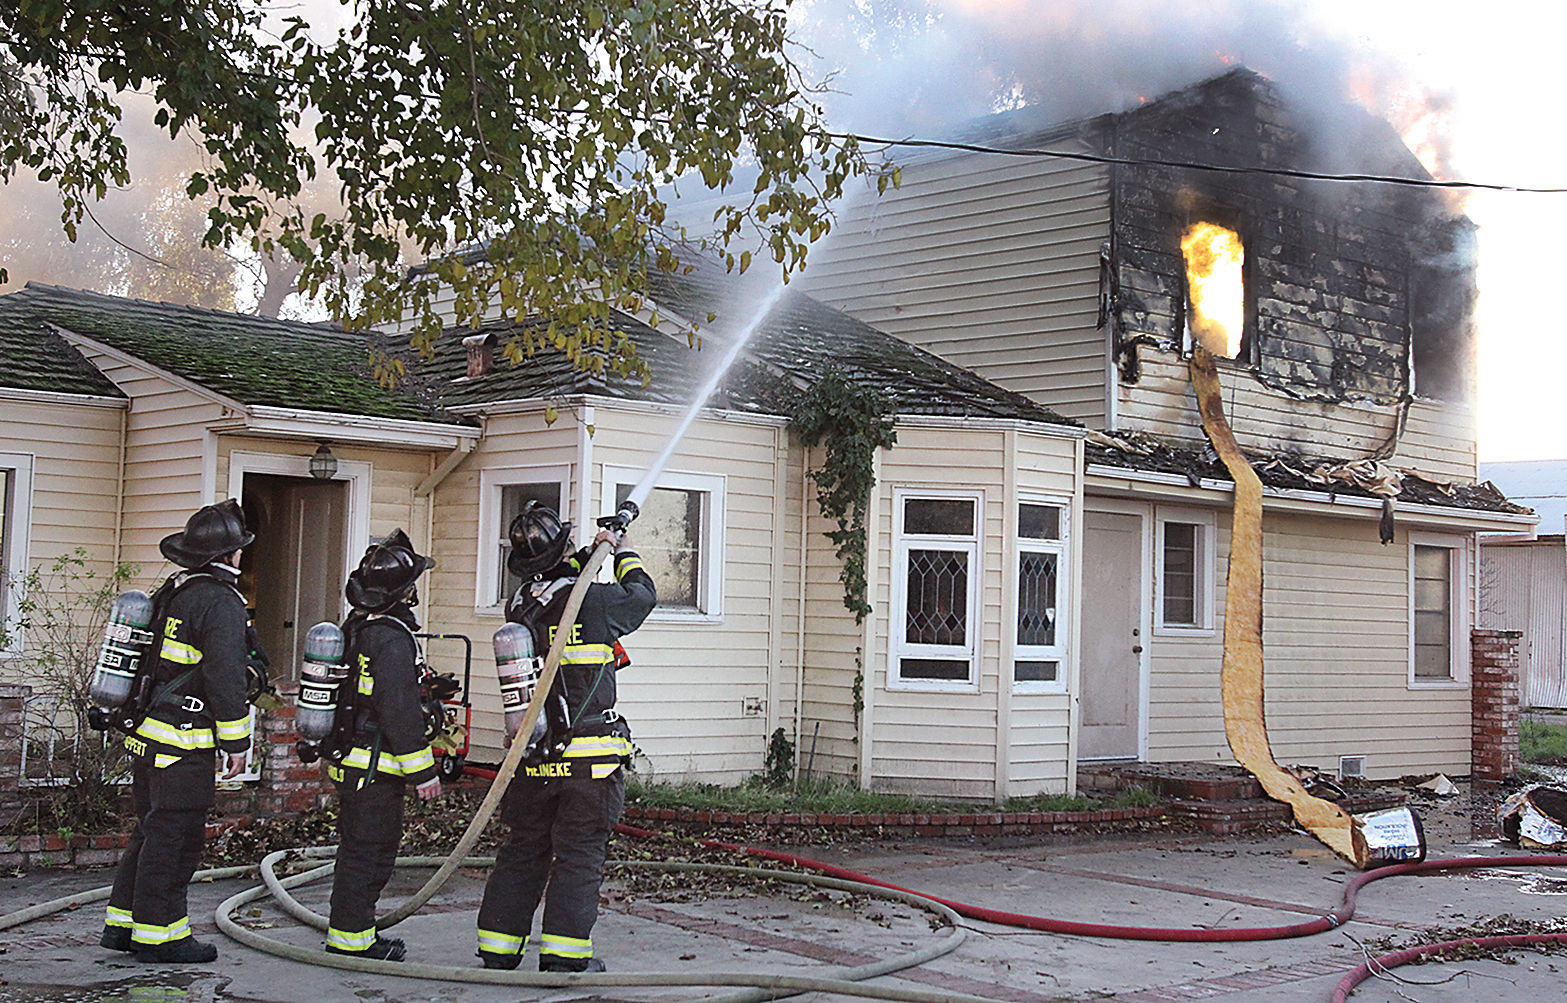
(1341, 316)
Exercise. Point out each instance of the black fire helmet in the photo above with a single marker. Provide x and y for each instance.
(538, 541)
(211, 532)
(385, 573)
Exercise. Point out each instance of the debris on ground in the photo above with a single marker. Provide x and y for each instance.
(1440, 785)
(1535, 818)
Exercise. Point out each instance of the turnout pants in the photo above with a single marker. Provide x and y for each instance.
(165, 849)
(369, 829)
(559, 836)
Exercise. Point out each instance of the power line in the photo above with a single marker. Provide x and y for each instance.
(1284, 172)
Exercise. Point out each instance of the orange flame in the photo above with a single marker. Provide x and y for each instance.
(1214, 260)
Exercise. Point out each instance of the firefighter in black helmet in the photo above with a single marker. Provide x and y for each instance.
(198, 706)
(388, 748)
(562, 808)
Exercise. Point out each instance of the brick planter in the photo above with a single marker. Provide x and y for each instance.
(987, 824)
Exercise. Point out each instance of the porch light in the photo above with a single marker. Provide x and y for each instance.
(323, 465)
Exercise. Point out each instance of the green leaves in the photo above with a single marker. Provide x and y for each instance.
(542, 135)
(852, 421)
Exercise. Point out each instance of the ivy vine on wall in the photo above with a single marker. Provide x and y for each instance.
(851, 421)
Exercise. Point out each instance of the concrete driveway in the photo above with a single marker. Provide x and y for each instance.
(683, 924)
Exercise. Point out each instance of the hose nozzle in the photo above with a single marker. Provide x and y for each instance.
(621, 520)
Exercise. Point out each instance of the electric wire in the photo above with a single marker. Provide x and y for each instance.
(1282, 172)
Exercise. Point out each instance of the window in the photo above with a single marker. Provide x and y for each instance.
(503, 492)
(1216, 307)
(16, 484)
(1437, 612)
(1041, 573)
(936, 555)
(1183, 575)
(679, 536)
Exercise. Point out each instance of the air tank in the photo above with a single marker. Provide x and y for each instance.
(125, 637)
(320, 679)
(519, 673)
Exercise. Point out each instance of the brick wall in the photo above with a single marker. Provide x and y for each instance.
(287, 786)
(12, 697)
(1494, 708)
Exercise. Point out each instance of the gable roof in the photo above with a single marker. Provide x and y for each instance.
(34, 357)
(253, 360)
(799, 340)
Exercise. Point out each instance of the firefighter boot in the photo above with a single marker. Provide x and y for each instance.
(553, 964)
(116, 938)
(185, 951)
(384, 949)
(505, 962)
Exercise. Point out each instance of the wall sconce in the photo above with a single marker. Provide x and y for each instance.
(323, 465)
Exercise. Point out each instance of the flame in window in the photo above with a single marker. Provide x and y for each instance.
(1214, 258)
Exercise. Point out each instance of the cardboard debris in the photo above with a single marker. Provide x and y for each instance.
(1439, 785)
(1535, 818)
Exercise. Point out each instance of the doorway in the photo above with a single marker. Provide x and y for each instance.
(294, 572)
(1111, 680)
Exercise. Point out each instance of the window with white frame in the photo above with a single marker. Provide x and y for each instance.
(679, 534)
(1040, 644)
(504, 493)
(1436, 610)
(1183, 572)
(936, 557)
(16, 483)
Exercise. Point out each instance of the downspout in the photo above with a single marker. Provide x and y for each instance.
(868, 633)
(585, 470)
(1074, 553)
(426, 488)
(775, 603)
(1009, 601)
(799, 636)
(119, 487)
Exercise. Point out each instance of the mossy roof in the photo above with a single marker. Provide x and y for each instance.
(797, 342)
(252, 360)
(34, 357)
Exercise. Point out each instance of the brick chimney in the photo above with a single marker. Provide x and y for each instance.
(481, 354)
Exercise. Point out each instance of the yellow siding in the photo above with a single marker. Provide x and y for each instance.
(989, 262)
(75, 453)
(1438, 439)
(1336, 648)
(166, 443)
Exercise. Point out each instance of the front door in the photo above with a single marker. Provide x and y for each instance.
(294, 572)
(1110, 708)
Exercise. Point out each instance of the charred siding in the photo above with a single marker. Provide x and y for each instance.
(1341, 278)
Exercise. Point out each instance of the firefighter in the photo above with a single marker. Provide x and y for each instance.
(387, 748)
(198, 706)
(560, 810)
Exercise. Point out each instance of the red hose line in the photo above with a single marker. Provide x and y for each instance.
(1335, 918)
(1348, 983)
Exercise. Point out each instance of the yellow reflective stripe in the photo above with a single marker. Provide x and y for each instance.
(565, 947)
(366, 684)
(179, 652)
(501, 943)
(602, 770)
(234, 731)
(413, 762)
(345, 940)
(599, 745)
(163, 759)
(586, 654)
(629, 564)
(117, 917)
(151, 933)
(188, 739)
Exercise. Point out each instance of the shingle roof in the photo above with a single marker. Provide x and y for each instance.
(794, 346)
(34, 357)
(1163, 458)
(253, 360)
